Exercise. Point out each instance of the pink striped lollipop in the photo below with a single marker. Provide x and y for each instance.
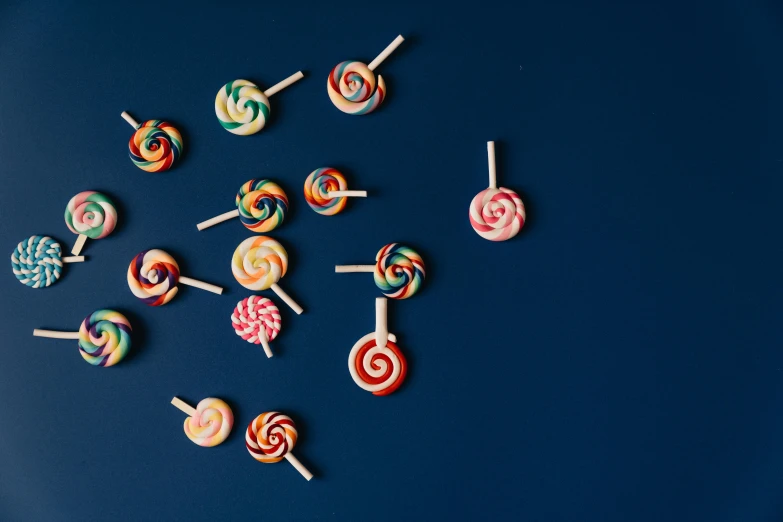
(256, 319)
(496, 213)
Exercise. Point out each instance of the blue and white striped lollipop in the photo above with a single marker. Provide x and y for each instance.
(37, 261)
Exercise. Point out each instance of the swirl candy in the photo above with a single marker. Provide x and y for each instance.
(351, 85)
(153, 276)
(271, 437)
(242, 108)
(496, 213)
(325, 191)
(258, 263)
(256, 319)
(155, 146)
(398, 270)
(209, 423)
(37, 261)
(91, 215)
(104, 337)
(261, 207)
(376, 363)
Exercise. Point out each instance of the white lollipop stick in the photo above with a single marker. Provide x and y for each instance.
(493, 176)
(73, 259)
(77, 247)
(127, 117)
(381, 328)
(347, 194)
(345, 269)
(287, 299)
(265, 341)
(184, 407)
(52, 334)
(298, 465)
(385, 53)
(200, 284)
(285, 83)
(218, 219)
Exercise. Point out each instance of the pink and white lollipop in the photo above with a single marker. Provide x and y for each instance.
(496, 213)
(257, 321)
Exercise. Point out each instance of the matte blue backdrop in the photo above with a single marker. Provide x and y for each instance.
(620, 360)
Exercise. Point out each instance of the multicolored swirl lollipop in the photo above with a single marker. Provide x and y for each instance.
(261, 207)
(38, 261)
(209, 423)
(256, 319)
(242, 108)
(155, 146)
(398, 270)
(258, 263)
(376, 363)
(351, 85)
(496, 213)
(271, 437)
(91, 215)
(153, 276)
(104, 337)
(325, 191)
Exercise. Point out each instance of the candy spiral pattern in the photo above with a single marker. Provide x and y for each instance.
(211, 424)
(104, 337)
(241, 107)
(262, 205)
(155, 146)
(254, 315)
(37, 261)
(399, 271)
(270, 436)
(380, 370)
(153, 276)
(351, 87)
(259, 262)
(91, 214)
(497, 214)
(317, 187)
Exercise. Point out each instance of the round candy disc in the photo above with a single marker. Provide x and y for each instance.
(380, 370)
(153, 276)
(399, 271)
(155, 146)
(317, 187)
(91, 214)
(211, 424)
(104, 337)
(37, 261)
(255, 315)
(262, 205)
(270, 436)
(351, 87)
(497, 214)
(259, 262)
(241, 107)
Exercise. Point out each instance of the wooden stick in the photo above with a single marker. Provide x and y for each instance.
(265, 341)
(73, 259)
(200, 284)
(347, 269)
(298, 465)
(127, 117)
(493, 181)
(287, 299)
(184, 407)
(347, 194)
(218, 219)
(285, 83)
(52, 334)
(381, 328)
(385, 53)
(77, 247)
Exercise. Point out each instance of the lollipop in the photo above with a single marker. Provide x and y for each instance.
(104, 337)
(256, 319)
(271, 437)
(155, 145)
(90, 214)
(375, 362)
(398, 270)
(38, 261)
(258, 263)
(496, 214)
(242, 108)
(325, 192)
(261, 207)
(209, 423)
(351, 85)
(153, 276)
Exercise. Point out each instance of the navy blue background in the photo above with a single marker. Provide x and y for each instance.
(619, 360)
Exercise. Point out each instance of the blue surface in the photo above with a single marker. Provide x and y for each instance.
(619, 360)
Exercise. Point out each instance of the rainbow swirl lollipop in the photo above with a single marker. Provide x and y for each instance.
(155, 146)
(325, 191)
(153, 276)
(261, 207)
(271, 437)
(398, 270)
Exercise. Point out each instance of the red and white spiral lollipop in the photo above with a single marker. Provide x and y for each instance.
(256, 319)
(496, 213)
(376, 363)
